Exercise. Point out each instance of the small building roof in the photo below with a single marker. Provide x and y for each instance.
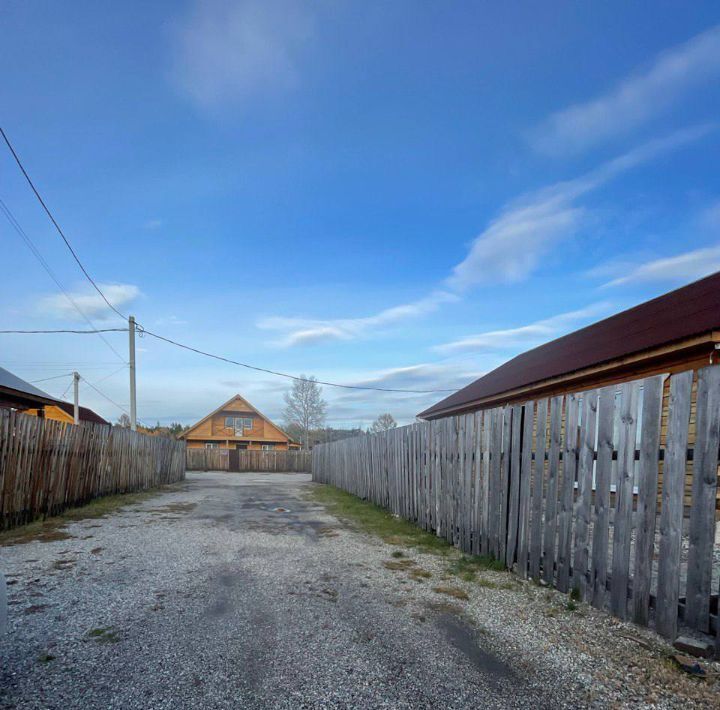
(675, 316)
(14, 387)
(86, 414)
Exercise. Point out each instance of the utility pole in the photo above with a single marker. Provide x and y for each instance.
(133, 401)
(76, 397)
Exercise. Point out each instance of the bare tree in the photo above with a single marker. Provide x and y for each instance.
(123, 421)
(384, 422)
(305, 407)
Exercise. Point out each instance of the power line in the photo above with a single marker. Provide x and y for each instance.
(47, 379)
(173, 342)
(36, 253)
(78, 332)
(284, 374)
(57, 226)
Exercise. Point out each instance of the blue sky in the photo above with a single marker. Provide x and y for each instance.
(394, 194)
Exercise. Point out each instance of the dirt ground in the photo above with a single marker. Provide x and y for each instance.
(245, 591)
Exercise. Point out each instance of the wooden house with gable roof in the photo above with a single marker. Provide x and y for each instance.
(237, 424)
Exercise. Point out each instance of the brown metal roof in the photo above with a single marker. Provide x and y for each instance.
(86, 414)
(688, 311)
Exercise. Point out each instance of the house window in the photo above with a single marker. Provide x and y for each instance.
(229, 422)
(211, 445)
(268, 447)
(248, 422)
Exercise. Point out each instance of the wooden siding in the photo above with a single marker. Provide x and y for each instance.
(212, 428)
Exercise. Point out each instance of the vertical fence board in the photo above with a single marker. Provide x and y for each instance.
(601, 509)
(567, 491)
(550, 532)
(668, 592)
(624, 496)
(583, 502)
(538, 476)
(704, 492)
(647, 497)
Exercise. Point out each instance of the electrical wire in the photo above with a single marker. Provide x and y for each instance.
(47, 379)
(284, 374)
(36, 253)
(77, 332)
(173, 342)
(57, 226)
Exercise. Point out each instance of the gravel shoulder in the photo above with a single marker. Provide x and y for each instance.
(243, 591)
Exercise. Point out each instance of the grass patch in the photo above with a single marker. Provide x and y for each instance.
(398, 564)
(419, 573)
(467, 566)
(46, 657)
(575, 594)
(51, 529)
(572, 605)
(454, 592)
(104, 634)
(397, 553)
(373, 519)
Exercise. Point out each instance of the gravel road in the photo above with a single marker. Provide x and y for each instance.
(238, 591)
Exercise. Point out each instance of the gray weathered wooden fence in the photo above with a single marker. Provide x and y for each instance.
(248, 460)
(611, 492)
(206, 459)
(46, 466)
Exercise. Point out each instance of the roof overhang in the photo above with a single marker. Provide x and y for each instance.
(619, 367)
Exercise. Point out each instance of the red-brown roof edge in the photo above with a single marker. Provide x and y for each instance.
(687, 311)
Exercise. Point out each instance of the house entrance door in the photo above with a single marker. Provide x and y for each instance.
(234, 460)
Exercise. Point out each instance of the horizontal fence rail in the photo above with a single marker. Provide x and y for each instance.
(47, 466)
(593, 491)
(247, 460)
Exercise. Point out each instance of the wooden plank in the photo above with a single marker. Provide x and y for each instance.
(486, 468)
(514, 486)
(647, 497)
(622, 530)
(668, 590)
(569, 470)
(704, 495)
(550, 530)
(583, 501)
(505, 481)
(525, 478)
(538, 477)
(601, 509)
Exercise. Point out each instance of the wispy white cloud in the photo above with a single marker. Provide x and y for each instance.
(358, 407)
(513, 244)
(680, 268)
(304, 331)
(153, 224)
(89, 302)
(526, 335)
(635, 100)
(226, 52)
(509, 249)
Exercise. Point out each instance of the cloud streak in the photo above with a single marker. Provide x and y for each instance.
(512, 245)
(689, 266)
(510, 248)
(90, 303)
(635, 100)
(228, 52)
(304, 331)
(523, 336)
